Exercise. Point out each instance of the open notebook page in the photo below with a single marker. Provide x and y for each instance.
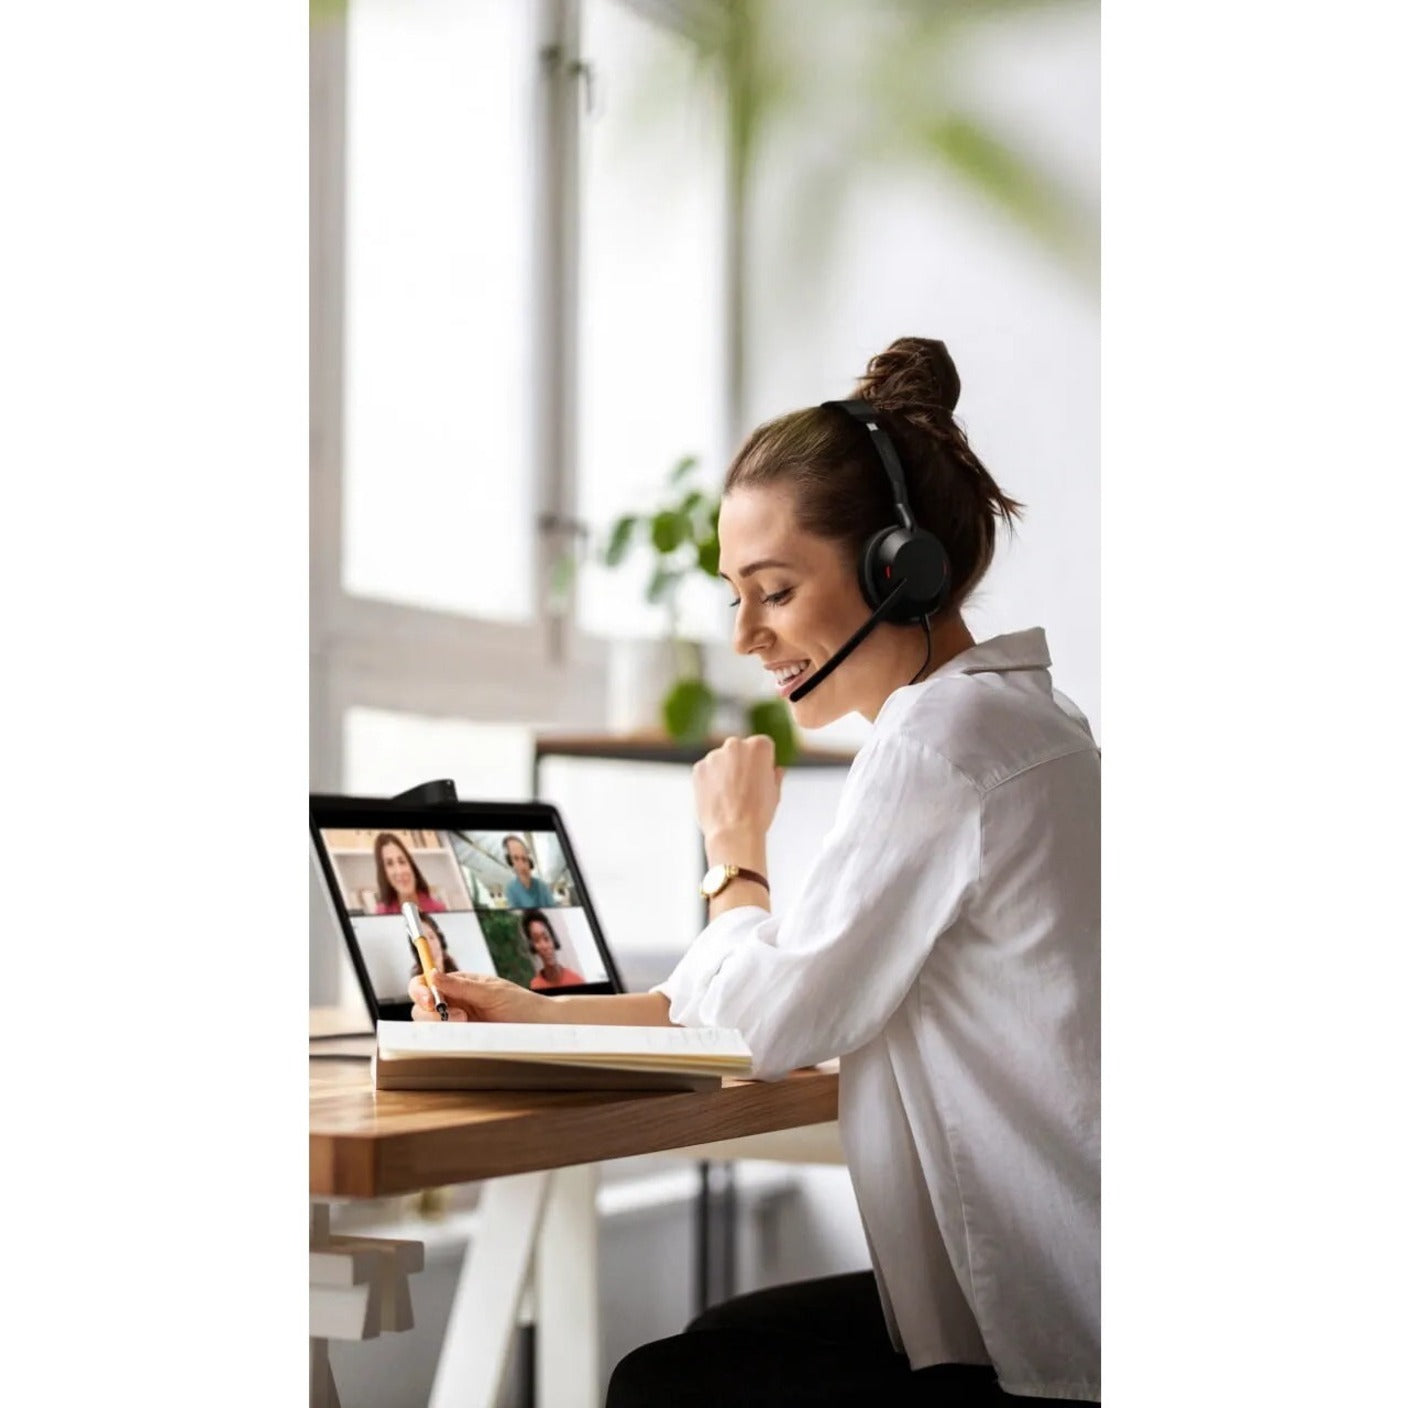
(722, 1044)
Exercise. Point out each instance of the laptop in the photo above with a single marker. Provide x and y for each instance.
(496, 884)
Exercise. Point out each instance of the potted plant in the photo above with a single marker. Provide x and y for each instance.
(682, 535)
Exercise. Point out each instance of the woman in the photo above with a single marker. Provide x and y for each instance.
(525, 890)
(440, 958)
(398, 879)
(945, 947)
(544, 944)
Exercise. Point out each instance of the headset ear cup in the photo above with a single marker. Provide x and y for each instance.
(508, 860)
(872, 568)
(926, 569)
(916, 560)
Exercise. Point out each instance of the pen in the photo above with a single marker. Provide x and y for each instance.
(412, 917)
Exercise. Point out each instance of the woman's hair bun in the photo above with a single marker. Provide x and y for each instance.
(913, 376)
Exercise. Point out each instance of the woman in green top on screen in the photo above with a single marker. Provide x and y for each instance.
(525, 890)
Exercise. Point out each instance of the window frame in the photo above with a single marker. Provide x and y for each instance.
(373, 653)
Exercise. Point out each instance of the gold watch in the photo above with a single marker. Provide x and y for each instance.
(718, 876)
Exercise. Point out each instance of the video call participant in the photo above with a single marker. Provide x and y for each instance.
(398, 879)
(946, 944)
(525, 890)
(439, 955)
(545, 944)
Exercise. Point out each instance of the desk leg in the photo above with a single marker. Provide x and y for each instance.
(715, 1235)
(567, 1339)
(322, 1392)
(484, 1311)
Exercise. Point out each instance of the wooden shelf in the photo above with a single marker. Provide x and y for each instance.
(659, 747)
(362, 851)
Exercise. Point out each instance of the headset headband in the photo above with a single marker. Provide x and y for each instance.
(865, 413)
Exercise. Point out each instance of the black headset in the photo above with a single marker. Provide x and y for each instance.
(524, 844)
(904, 562)
(904, 570)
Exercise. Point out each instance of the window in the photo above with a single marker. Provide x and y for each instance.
(476, 279)
(437, 468)
(652, 334)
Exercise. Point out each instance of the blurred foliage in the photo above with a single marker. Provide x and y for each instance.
(682, 533)
(507, 947)
(688, 710)
(880, 85)
(771, 716)
(682, 536)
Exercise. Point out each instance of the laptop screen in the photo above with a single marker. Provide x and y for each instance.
(498, 895)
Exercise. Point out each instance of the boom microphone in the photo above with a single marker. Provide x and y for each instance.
(876, 617)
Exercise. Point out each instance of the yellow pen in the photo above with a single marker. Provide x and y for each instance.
(412, 917)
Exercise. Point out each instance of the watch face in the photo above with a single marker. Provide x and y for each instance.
(713, 880)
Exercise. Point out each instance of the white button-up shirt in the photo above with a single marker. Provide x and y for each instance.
(946, 948)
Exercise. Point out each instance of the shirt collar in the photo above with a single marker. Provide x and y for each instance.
(1021, 650)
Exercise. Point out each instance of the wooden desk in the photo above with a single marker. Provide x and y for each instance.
(365, 1143)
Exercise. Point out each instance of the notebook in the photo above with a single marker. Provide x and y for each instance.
(542, 1056)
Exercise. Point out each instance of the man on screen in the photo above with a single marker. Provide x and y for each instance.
(525, 890)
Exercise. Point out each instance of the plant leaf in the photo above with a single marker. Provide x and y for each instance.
(771, 716)
(707, 554)
(684, 468)
(668, 529)
(688, 709)
(662, 584)
(620, 540)
(1027, 195)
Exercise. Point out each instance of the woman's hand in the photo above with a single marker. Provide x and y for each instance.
(471, 998)
(736, 791)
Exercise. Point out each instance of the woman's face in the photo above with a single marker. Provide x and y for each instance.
(397, 865)
(540, 940)
(437, 949)
(518, 859)
(798, 600)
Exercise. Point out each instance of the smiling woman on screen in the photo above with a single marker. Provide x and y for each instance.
(945, 946)
(398, 878)
(440, 958)
(545, 945)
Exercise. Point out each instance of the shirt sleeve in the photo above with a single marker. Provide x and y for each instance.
(823, 979)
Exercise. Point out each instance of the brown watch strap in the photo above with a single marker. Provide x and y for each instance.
(742, 873)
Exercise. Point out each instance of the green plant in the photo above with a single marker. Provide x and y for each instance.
(682, 534)
(504, 940)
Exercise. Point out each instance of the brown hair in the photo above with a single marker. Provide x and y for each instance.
(447, 964)
(385, 890)
(840, 489)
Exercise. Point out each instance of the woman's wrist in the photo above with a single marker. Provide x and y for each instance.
(743, 846)
(635, 1009)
